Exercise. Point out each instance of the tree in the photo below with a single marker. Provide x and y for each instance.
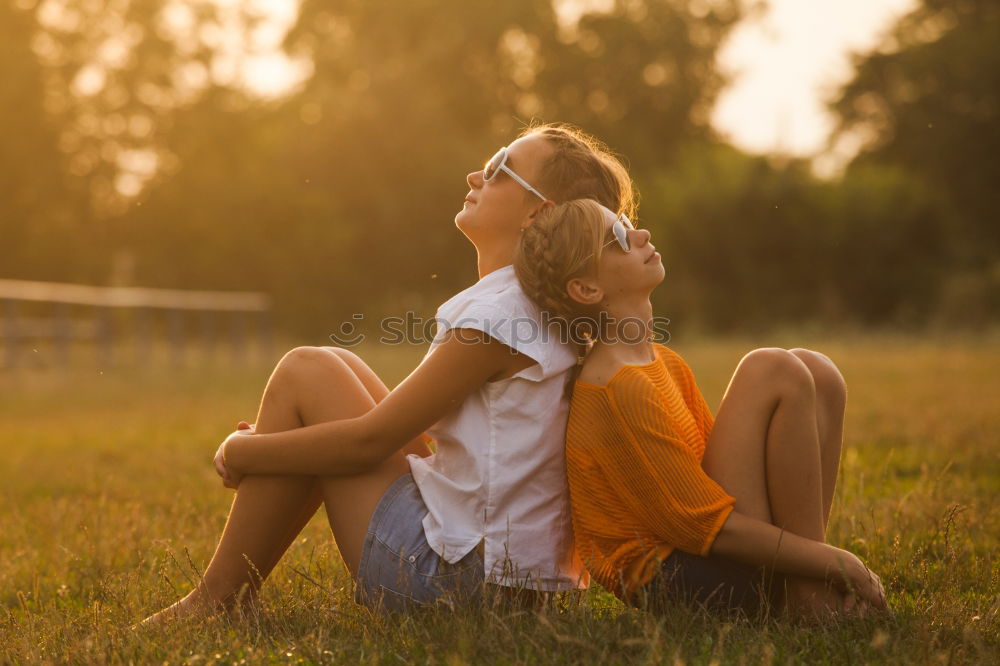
(35, 192)
(406, 98)
(641, 76)
(929, 103)
(338, 198)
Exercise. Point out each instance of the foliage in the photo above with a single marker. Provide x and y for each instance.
(750, 245)
(390, 114)
(36, 194)
(136, 155)
(929, 103)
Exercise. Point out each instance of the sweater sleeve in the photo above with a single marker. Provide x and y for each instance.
(693, 396)
(656, 475)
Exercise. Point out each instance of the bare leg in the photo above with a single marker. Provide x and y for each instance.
(831, 402)
(309, 385)
(765, 451)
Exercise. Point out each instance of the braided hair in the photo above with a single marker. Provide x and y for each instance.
(564, 243)
(569, 240)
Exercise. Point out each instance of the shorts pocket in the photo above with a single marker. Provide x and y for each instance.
(388, 599)
(410, 554)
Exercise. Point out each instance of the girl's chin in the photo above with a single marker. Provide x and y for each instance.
(657, 281)
(466, 218)
(468, 227)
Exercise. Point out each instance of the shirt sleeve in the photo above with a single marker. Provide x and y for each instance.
(519, 331)
(656, 475)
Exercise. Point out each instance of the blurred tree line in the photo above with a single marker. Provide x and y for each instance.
(133, 154)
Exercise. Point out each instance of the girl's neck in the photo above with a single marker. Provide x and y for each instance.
(628, 331)
(494, 258)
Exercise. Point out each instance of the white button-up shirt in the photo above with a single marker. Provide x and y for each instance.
(499, 473)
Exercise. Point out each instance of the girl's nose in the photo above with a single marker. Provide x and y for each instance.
(639, 237)
(475, 179)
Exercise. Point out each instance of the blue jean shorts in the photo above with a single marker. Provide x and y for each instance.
(399, 571)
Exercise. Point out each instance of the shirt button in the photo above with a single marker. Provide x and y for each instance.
(413, 558)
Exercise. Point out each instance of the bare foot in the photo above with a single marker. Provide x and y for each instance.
(188, 607)
(199, 605)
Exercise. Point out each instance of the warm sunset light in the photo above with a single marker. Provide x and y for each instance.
(171, 130)
(786, 61)
(787, 64)
(510, 332)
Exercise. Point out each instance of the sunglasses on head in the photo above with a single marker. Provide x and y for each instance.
(499, 163)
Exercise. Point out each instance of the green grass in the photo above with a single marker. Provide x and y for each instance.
(110, 507)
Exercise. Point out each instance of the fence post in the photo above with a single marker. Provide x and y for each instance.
(176, 328)
(264, 335)
(207, 334)
(104, 335)
(61, 334)
(144, 337)
(11, 332)
(239, 339)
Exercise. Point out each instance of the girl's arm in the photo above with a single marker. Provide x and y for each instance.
(760, 543)
(460, 364)
(663, 484)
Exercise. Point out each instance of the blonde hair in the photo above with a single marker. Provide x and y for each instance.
(582, 167)
(564, 243)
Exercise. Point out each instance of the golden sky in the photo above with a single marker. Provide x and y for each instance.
(787, 62)
(784, 63)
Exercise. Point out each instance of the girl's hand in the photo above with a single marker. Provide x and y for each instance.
(860, 582)
(230, 478)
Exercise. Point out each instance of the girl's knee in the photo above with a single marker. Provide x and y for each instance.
(345, 355)
(777, 367)
(826, 375)
(301, 354)
(304, 361)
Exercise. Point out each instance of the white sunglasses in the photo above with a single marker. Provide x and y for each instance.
(620, 229)
(499, 163)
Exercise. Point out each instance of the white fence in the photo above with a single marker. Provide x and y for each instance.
(61, 314)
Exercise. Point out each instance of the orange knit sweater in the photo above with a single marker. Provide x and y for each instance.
(633, 458)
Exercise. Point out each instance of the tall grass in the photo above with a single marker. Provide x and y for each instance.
(110, 508)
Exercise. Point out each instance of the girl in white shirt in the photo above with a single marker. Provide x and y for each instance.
(491, 504)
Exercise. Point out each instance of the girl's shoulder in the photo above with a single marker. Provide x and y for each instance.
(497, 306)
(673, 363)
(598, 371)
(666, 354)
(606, 371)
(496, 291)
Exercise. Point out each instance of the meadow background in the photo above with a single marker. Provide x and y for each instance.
(111, 508)
(134, 154)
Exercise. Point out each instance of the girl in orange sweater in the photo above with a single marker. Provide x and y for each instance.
(667, 502)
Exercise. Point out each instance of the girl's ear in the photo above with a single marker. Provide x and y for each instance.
(537, 211)
(585, 290)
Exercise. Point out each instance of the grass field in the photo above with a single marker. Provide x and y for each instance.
(110, 507)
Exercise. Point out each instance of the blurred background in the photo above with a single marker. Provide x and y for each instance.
(188, 188)
(801, 163)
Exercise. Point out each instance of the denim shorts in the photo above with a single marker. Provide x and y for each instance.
(715, 583)
(399, 571)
